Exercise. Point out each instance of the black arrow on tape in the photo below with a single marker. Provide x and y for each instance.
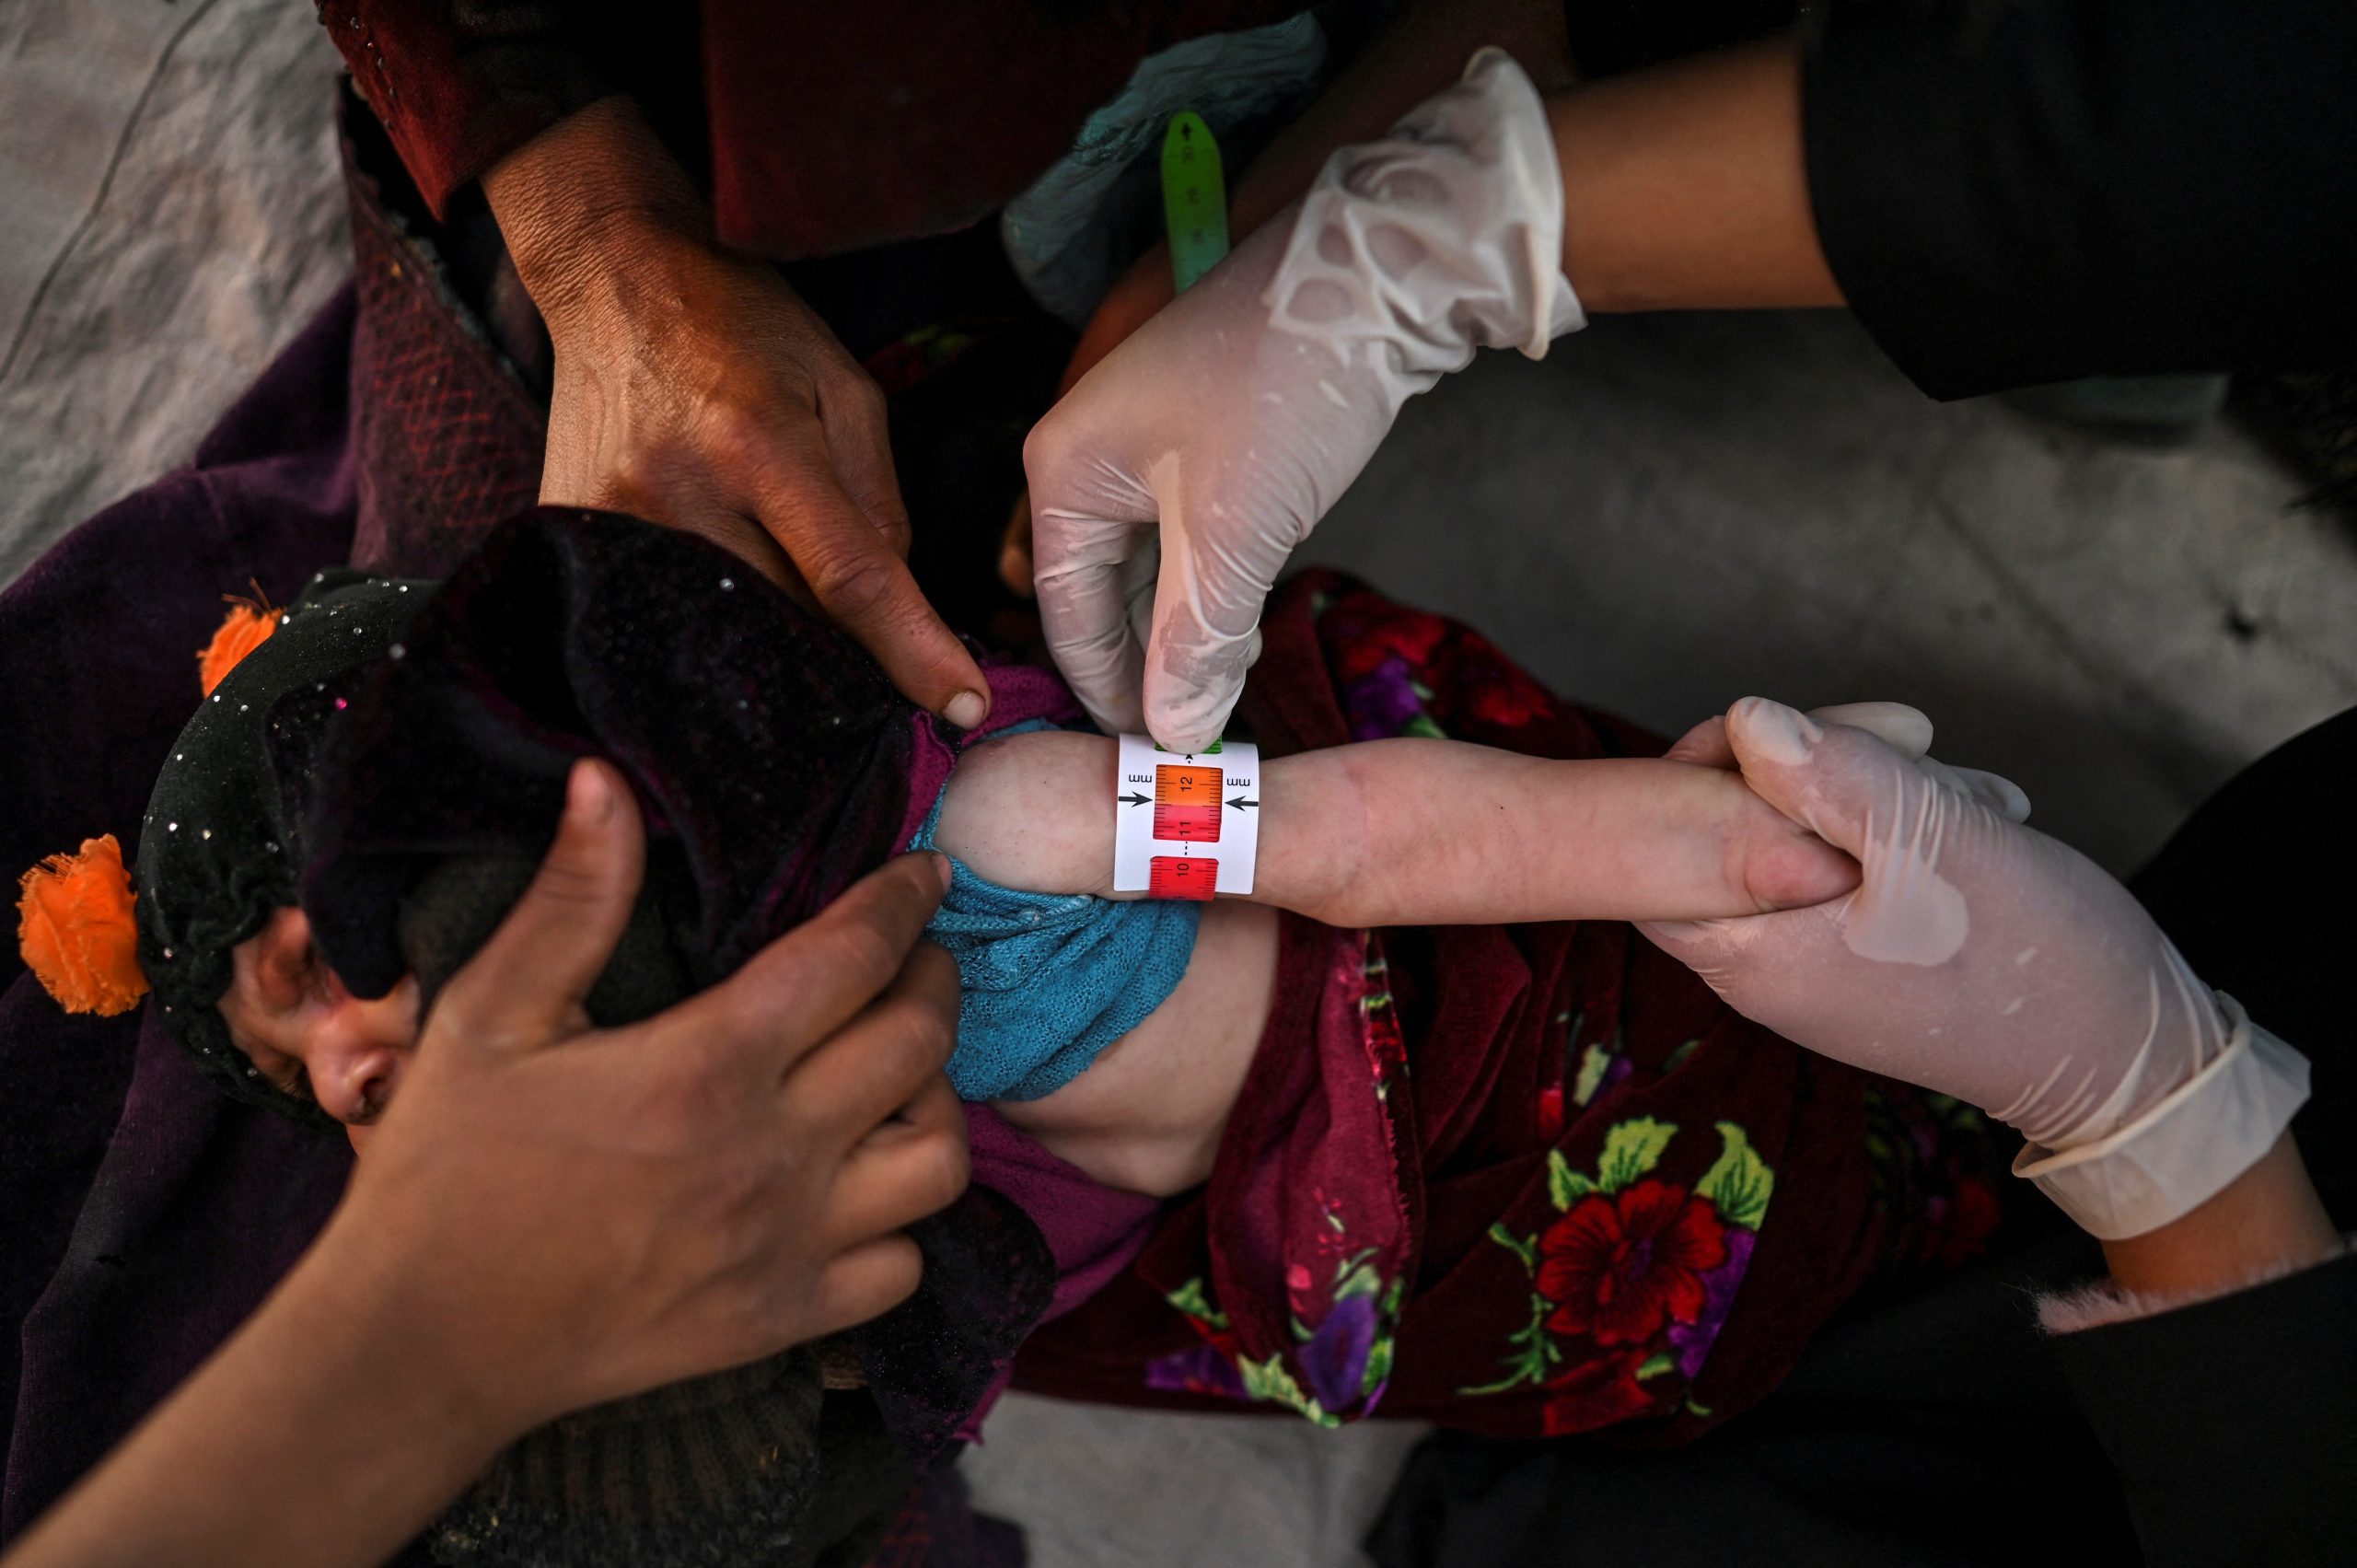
(1134, 799)
(1240, 802)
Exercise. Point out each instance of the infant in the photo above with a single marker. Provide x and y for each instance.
(1409, 830)
(1388, 832)
(1417, 1121)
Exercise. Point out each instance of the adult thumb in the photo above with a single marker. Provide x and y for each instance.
(1205, 635)
(1835, 780)
(526, 986)
(1192, 684)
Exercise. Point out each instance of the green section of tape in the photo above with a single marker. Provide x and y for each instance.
(1194, 214)
(1194, 198)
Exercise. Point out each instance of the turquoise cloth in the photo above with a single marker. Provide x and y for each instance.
(1047, 981)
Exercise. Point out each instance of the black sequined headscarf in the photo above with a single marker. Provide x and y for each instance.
(221, 845)
(770, 756)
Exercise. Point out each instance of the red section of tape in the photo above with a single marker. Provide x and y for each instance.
(1179, 877)
(1193, 824)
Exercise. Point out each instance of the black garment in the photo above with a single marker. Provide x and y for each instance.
(1947, 1428)
(2012, 192)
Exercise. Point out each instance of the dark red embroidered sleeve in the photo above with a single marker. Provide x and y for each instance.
(461, 83)
(821, 129)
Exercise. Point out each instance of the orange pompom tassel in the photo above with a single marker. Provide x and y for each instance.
(248, 626)
(75, 928)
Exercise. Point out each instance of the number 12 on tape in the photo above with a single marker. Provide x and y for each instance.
(1186, 826)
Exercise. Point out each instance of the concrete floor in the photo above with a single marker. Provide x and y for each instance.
(1662, 516)
(1668, 514)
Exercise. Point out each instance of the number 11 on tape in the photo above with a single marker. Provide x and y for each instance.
(1187, 825)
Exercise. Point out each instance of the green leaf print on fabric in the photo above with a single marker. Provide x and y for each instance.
(1738, 1183)
(1189, 1299)
(1594, 1061)
(1524, 1248)
(1359, 1279)
(1532, 1354)
(1269, 1380)
(1630, 1149)
(1565, 1186)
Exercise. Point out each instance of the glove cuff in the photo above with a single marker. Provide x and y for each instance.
(2188, 1148)
(1443, 238)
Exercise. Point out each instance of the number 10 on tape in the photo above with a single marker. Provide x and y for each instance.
(1187, 825)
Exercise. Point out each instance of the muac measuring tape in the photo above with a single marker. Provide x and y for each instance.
(1194, 199)
(1187, 825)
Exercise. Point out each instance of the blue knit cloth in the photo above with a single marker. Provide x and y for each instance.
(1047, 981)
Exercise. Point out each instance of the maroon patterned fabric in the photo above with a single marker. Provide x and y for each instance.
(448, 440)
(1517, 1179)
(146, 1213)
(457, 85)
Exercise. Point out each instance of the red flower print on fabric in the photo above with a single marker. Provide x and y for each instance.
(1409, 636)
(1550, 1112)
(1498, 692)
(1597, 1392)
(1620, 1266)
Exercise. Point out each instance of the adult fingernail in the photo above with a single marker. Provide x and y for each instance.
(966, 709)
(941, 867)
(1774, 732)
(587, 795)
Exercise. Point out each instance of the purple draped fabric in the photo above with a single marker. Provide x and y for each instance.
(195, 1205)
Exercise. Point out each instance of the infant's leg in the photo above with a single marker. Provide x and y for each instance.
(1148, 1114)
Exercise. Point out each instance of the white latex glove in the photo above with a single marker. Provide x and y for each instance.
(1170, 486)
(1988, 961)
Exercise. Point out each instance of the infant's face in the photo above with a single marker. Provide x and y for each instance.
(299, 1027)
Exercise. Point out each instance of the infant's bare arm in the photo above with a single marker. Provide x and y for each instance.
(1417, 831)
(1442, 832)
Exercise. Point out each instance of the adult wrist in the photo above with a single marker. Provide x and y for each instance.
(2268, 1222)
(416, 1347)
(588, 196)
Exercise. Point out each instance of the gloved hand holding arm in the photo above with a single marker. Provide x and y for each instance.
(1988, 961)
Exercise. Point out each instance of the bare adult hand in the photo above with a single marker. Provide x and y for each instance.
(690, 1193)
(693, 387)
(551, 1216)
